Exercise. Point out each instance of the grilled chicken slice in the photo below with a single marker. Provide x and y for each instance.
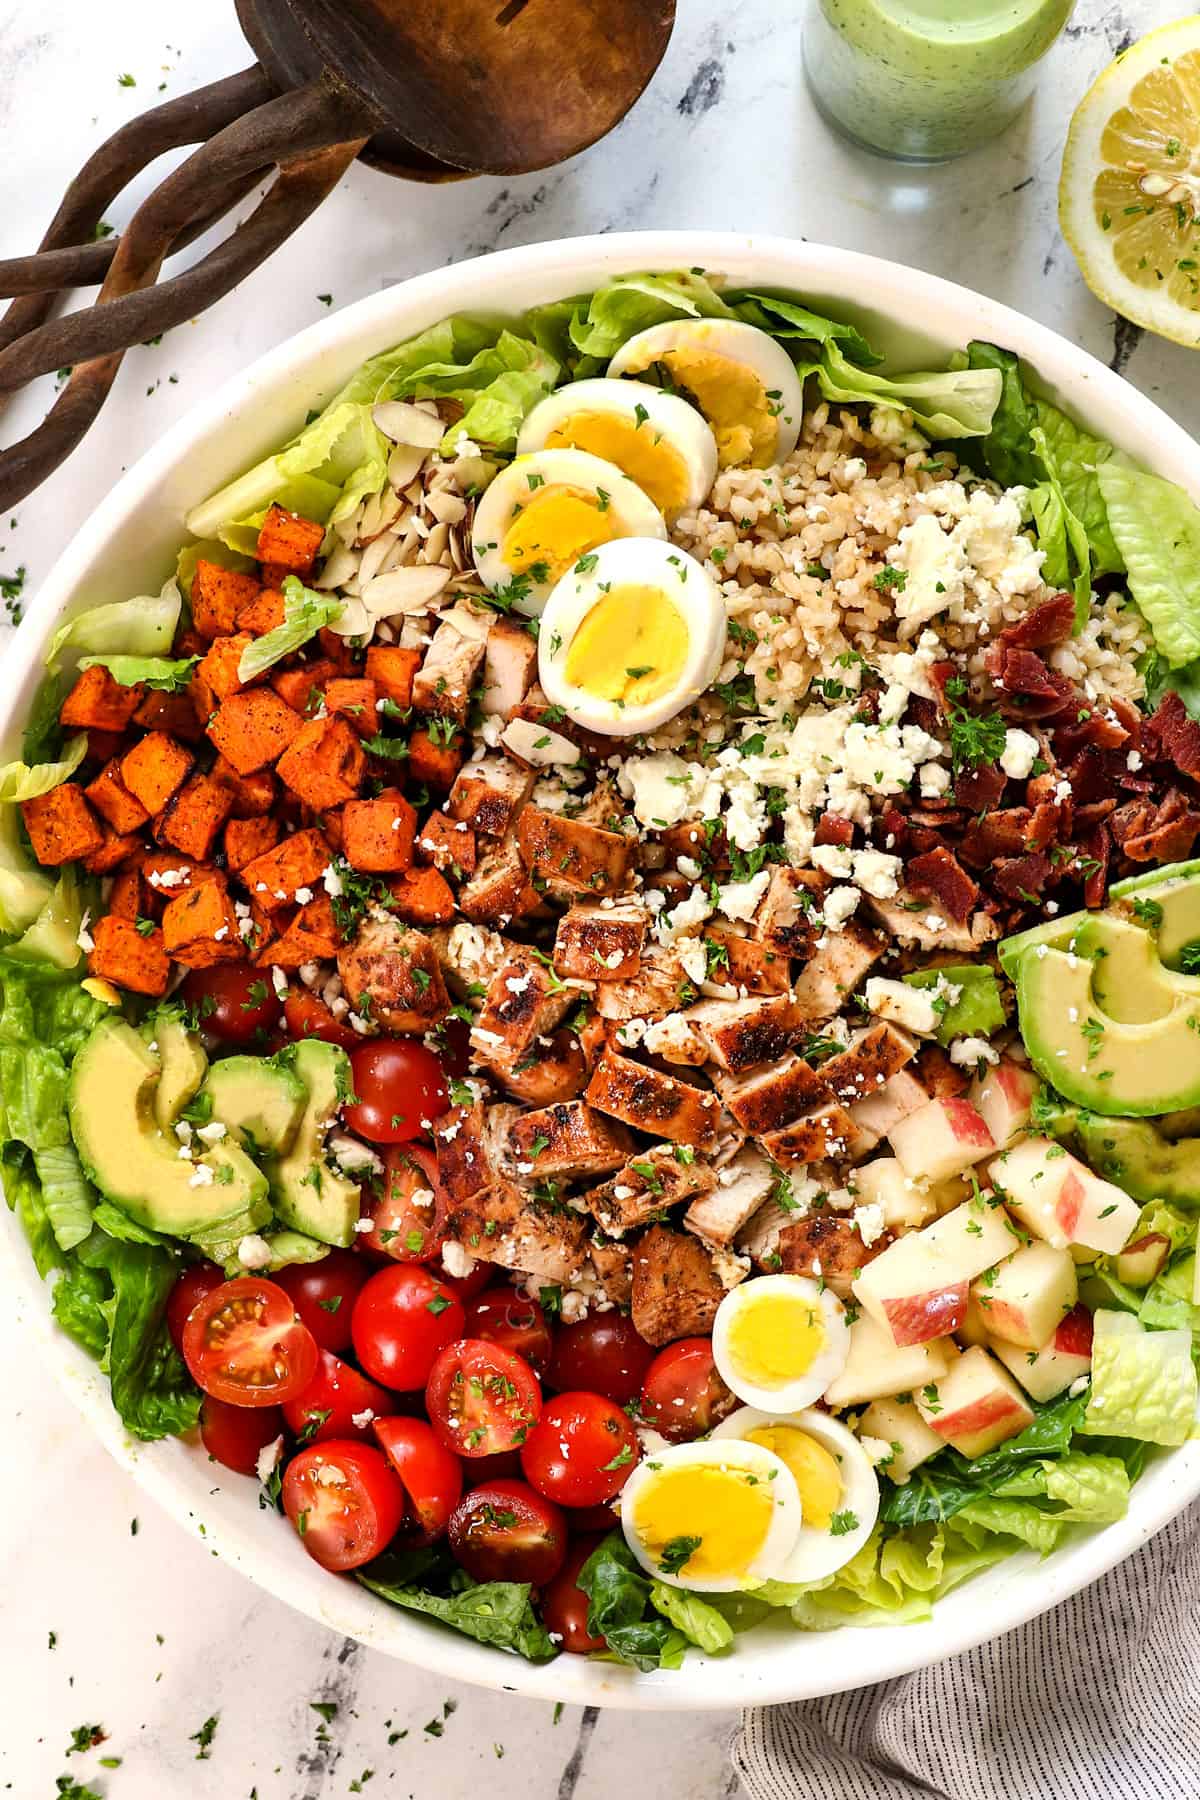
(870, 1059)
(652, 992)
(499, 890)
(442, 685)
(823, 1134)
(676, 1287)
(740, 1189)
(741, 962)
(826, 1246)
(524, 1001)
(469, 954)
(504, 1224)
(509, 666)
(569, 857)
(487, 795)
(391, 975)
(912, 920)
(740, 1033)
(765, 1098)
(612, 1264)
(653, 1102)
(595, 943)
(648, 1184)
(834, 970)
(555, 1070)
(788, 919)
(572, 1140)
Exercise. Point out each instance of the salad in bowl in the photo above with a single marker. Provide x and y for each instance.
(602, 992)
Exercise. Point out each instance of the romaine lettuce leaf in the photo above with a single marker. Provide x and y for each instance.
(151, 1389)
(53, 936)
(952, 403)
(169, 675)
(1156, 529)
(1091, 1489)
(24, 888)
(499, 1613)
(619, 1600)
(631, 303)
(1143, 1382)
(305, 612)
(77, 1303)
(451, 342)
(1071, 457)
(896, 1578)
(1006, 450)
(23, 1191)
(1061, 535)
(785, 318)
(700, 1623)
(21, 781)
(144, 626)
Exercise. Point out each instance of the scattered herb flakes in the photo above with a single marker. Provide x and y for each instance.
(356, 1787)
(86, 1737)
(53, 1643)
(558, 1712)
(67, 1789)
(435, 1728)
(126, 81)
(326, 1708)
(325, 299)
(204, 1737)
(676, 1552)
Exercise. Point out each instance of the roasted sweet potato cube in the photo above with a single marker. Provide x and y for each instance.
(392, 670)
(289, 541)
(324, 765)
(333, 830)
(447, 844)
(676, 1288)
(436, 763)
(253, 795)
(391, 973)
(200, 927)
(125, 895)
(598, 944)
(172, 713)
(167, 873)
(653, 1102)
(377, 835)
(155, 769)
(190, 822)
(355, 698)
(114, 802)
(337, 650)
(302, 687)
(487, 795)
(262, 614)
(275, 877)
(312, 936)
(218, 670)
(128, 958)
(246, 839)
(217, 597)
(252, 730)
(98, 703)
(62, 826)
(569, 857)
(115, 850)
(102, 746)
(422, 897)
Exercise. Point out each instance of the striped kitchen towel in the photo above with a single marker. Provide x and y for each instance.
(1098, 1699)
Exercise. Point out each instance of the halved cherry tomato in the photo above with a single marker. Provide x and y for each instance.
(505, 1317)
(432, 1475)
(243, 1343)
(324, 1293)
(682, 1394)
(602, 1354)
(401, 1320)
(481, 1399)
(234, 1003)
(503, 1531)
(197, 1280)
(334, 1402)
(408, 1219)
(564, 1605)
(345, 1500)
(234, 1435)
(400, 1088)
(307, 1016)
(581, 1451)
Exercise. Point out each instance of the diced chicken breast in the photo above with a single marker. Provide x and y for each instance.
(595, 943)
(499, 892)
(766, 1098)
(740, 1033)
(572, 1140)
(653, 1102)
(391, 975)
(442, 685)
(647, 1185)
(569, 857)
(834, 970)
(826, 1133)
(676, 1287)
(509, 666)
(487, 795)
(740, 1189)
(789, 915)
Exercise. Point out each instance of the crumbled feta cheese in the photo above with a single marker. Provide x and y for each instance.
(969, 1052)
(213, 1132)
(352, 1155)
(268, 1459)
(360, 1420)
(455, 1261)
(870, 1222)
(331, 881)
(739, 899)
(854, 469)
(694, 959)
(1019, 754)
(83, 936)
(840, 903)
(253, 1252)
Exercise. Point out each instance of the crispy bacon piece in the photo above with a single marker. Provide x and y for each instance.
(834, 830)
(1096, 849)
(980, 788)
(996, 834)
(1051, 622)
(1178, 734)
(941, 876)
(1028, 688)
(1169, 835)
(1019, 877)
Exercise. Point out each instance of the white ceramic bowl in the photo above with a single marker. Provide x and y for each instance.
(128, 546)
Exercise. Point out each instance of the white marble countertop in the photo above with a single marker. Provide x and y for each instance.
(109, 1615)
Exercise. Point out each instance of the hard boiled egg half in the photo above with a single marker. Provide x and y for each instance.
(659, 441)
(838, 1488)
(717, 1517)
(779, 1340)
(743, 382)
(545, 511)
(632, 634)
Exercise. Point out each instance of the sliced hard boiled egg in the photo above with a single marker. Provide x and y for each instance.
(839, 1490)
(545, 511)
(659, 441)
(711, 1516)
(779, 1341)
(743, 382)
(632, 634)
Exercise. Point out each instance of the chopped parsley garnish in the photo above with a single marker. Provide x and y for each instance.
(676, 1552)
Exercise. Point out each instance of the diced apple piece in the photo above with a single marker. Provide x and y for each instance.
(973, 1329)
(875, 1368)
(898, 1423)
(1003, 1097)
(1066, 1357)
(942, 1138)
(1023, 1300)
(1057, 1198)
(895, 1099)
(1144, 1260)
(906, 1204)
(1095, 1212)
(918, 1286)
(976, 1405)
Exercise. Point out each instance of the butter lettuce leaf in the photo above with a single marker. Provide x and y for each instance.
(700, 1623)
(1007, 452)
(499, 1613)
(952, 403)
(1156, 528)
(305, 613)
(144, 626)
(1143, 1382)
(168, 675)
(1072, 458)
(24, 781)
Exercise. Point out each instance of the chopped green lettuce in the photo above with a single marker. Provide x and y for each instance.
(54, 935)
(144, 626)
(700, 1623)
(305, 612)
(1072, 457)
(499, 1613)
(1006, 449)
(21, 781)
(169, 675)
(1143, 1382)
(978, 1010)
(1062, 536)
(1156, 529)
(954, 403)
(896, 1578)
(24, 889)
(618, 1606)
(605, 320)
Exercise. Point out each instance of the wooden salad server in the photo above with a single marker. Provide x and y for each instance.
(426, 89)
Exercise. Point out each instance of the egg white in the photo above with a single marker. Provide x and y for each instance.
(664, 416)
(628, 511)
(817, 1552)
(770, 1469)
(804, 1388)
(737, 342)
(685, 582)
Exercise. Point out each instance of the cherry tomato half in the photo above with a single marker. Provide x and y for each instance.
(505, 1317)
(564, 1605)
(235, 1003)
(400, 1089)
(324, 1293)
(602, 1354)
(244, 1344)
(334, 1401)
(401, 1320)
(581, 1451)
(481, 1399)
(307, 1016)
(197, 1280)
(345, 1500)
(234, 1435)
(503, 1531)
(682, 1395)
(408, 1218)
(432, 1475)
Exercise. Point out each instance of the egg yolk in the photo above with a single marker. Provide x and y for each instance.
(732, 399)
(728, 1509)
(815, 1469)
(631, 647)
(644, 455)
(774, 1337)
(553, 529)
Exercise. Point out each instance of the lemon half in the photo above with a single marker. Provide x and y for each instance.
(1129, 197)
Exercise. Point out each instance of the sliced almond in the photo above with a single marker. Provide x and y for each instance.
(411, 589)
(403, 464)
(408, 424)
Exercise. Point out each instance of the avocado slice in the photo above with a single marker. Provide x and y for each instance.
(1055, 934)
(1113, 1066)
(183, 1067)
(261, 1101)
(978, 1011)
(1166, 901)
(1136, 1155)
(310, 1195)
(1126, 972)
(110, 1102)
